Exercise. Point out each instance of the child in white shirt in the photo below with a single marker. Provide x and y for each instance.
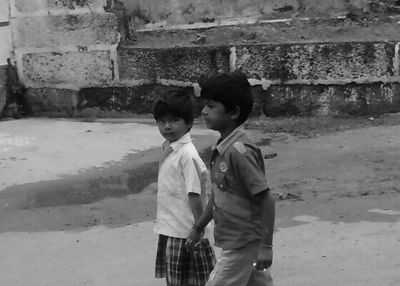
(182, 186)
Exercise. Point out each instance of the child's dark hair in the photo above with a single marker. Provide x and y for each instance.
(177, 103)
(232, 89)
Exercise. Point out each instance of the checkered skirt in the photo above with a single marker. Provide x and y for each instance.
(182, 267)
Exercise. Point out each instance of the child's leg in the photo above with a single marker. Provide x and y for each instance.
(161, 263)
(202, 261)
(177, 261)
(235, 268)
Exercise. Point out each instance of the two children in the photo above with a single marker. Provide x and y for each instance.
(241, 203)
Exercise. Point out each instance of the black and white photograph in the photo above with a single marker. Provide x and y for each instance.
(199, 142)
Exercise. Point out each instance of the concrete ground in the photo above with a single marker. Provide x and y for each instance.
(73, 210)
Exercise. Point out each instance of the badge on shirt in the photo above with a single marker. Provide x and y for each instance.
(240, 147)
(223, 167)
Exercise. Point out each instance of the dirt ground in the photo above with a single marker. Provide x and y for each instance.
(335, 180)
(325, 165)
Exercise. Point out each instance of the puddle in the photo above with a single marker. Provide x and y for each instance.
(384, 212)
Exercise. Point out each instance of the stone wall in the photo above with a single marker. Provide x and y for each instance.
(5, 49)
(63, 45)
(295, 79)
(3, 79)
(78, 57)
(145, 13)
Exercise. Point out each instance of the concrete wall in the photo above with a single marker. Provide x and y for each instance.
(69, 44)
(75, 58)
(5, 33)
(296, 79)
(63, 45)
(5, 49)
(172, 12)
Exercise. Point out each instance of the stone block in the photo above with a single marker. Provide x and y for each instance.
(3, 90)
(277, 100)
(51, 102)
(364, 99)
(29, 6)
(397, 60)
(181, 64)
(316, 100)
(323, 61)
(174, 12)
(80, 69)
(76, 30)
(136, 100)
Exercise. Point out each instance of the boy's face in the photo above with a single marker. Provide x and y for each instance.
(172, 128)
(215, 115)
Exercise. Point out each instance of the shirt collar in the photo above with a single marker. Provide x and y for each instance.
(229, 140)
(176, 145)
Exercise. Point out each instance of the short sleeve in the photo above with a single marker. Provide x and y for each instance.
(192, 175)
(249, 168)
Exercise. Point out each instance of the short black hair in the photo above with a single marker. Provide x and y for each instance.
(232, 89)
(175, 102)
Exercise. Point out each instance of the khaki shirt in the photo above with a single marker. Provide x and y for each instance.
(237, 175)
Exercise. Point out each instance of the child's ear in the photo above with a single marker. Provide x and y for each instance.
(235, 113)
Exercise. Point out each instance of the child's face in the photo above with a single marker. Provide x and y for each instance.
(172, 128)
(215, 115)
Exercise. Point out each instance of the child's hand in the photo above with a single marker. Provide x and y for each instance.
(264, 259)
(194, 238)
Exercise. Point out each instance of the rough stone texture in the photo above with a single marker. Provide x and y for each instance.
(320, 30)
(278, 100)
(137, 100)
(29, 6)
(397, 61)
(56, 31)
(181, 64)
(3, 93)
(325, 61)
(350, 99)
(51, 102)
(188, 11)
(80, 69)
(260, 97)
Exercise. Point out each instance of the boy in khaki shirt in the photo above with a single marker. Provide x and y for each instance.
(241, 203)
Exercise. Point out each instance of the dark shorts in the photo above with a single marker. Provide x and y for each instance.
(182, 267)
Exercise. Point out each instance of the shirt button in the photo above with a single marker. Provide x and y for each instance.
(221, 186)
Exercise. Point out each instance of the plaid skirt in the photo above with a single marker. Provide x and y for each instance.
(182, 267)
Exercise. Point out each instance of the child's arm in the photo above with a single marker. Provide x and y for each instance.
(200, 223)
(265, 254)
(195, 205)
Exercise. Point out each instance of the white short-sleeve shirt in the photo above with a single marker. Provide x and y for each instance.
(181, 172)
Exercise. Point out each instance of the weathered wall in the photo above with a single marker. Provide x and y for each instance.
(75, 58)
(70, 44)
(172, 12)
(304, 79)
(5, 49)
(5, 34)
(288, 79)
